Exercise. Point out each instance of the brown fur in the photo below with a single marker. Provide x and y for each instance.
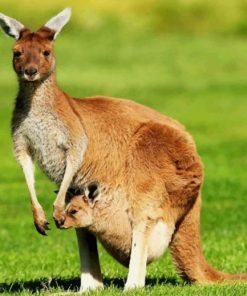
(131, 150)
(108, 220)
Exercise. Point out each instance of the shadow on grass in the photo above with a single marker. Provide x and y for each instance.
(73, 284)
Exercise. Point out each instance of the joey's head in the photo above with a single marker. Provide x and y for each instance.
(79, 212)
(33, 55)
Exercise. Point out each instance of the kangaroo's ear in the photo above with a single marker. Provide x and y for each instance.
(71, 192)
(11, 26)
(56, 23)
(92, 192)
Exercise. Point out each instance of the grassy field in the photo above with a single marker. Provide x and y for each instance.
(199, 80)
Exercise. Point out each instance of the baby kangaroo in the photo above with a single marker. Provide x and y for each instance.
(109, 221)
(107, 218)
(135, 153)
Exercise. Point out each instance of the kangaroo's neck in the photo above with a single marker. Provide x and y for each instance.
(39, 93)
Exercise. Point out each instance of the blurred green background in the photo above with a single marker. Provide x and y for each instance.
(188, 16)
(186, 59)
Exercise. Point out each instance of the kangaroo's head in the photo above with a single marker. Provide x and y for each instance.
(33, 55)
(80, 207)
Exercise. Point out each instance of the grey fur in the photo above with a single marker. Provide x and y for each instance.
(38, 129)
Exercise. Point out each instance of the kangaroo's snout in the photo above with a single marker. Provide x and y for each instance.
(30, 71)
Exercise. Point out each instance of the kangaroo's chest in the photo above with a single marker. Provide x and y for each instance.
(48, 139)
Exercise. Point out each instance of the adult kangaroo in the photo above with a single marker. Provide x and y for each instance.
(131, 150)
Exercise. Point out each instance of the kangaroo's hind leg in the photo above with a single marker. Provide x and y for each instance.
(138, 257)
(150, 238)
(147, 196)
(91, 278)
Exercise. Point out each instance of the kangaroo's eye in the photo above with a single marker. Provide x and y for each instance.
(46, 53)
(17, 54)
(73, 212)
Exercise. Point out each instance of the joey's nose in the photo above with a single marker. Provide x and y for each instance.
(60, 223)
(31, 71)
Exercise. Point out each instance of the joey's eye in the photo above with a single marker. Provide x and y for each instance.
(46, 53)
(17, 54)
(73, 212)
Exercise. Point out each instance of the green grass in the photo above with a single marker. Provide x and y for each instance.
(201, 81)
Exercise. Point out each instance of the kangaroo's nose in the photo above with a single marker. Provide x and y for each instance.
(30, 71)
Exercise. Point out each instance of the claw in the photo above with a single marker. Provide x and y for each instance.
(59, 223)
(41, 227)
(40, 221)
(59, 218)
(46, 225)
(40, 230)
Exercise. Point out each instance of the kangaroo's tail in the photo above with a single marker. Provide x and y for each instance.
(186, 251)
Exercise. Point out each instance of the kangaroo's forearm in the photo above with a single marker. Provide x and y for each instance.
(74, 160)
(28, 170)
(26, 162)
(67, 179)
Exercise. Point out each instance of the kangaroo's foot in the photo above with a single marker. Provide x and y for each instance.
(91, 286)
(129, 286)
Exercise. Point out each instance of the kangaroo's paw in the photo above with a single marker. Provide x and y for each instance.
(59, 216)
(40, 221)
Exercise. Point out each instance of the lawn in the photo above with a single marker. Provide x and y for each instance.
(199, 80)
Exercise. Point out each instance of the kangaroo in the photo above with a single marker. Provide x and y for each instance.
(133, 151)
(107, 218)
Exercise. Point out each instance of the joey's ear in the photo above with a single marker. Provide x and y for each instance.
(11, 26)
(92, 192)
(56, 23)
(71, 192)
